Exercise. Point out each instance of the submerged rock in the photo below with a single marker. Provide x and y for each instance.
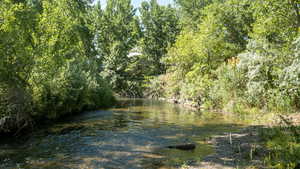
(183, 147)
(64, 129)
(137, 112)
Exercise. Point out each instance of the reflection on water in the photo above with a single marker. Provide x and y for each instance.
(132, 135)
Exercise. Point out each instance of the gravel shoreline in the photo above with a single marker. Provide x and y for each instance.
(235, 150)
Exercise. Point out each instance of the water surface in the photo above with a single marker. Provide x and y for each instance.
(132, 135)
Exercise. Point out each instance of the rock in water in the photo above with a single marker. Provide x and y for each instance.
(137, 112)
(183, 147)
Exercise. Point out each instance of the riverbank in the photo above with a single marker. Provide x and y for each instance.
(24, 123)
(185, 103)
(14, 125)
(272, 145)
(243, 149)
(238, 149)
(270, 142)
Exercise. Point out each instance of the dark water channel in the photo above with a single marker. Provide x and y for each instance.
(133, 135)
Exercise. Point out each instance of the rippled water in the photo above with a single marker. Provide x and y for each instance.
(133, 135)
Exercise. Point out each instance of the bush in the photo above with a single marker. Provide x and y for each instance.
(73, 89)
(228, 85)
(155, 87)
(289, 78)
(196, 89)
(283, 145)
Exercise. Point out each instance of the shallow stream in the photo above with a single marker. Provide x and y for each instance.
(135, 134)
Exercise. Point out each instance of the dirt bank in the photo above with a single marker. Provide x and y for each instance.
(235, 150)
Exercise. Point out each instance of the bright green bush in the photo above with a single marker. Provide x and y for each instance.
(196, 89)
(73, 89)
(228, 86)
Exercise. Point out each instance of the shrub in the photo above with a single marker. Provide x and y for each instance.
(290, 77)
(73, 89)
(258, 64)
(228, 85)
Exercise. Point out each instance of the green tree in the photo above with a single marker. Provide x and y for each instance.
(17, 22)
(278, 21)
(191, 11)
(65, 60)
(160, 28)
(63, 34)
(48, 60)
(17, 52)
(222, 33)
(117, 34)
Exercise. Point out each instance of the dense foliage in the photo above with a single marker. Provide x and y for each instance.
(48, 64)
(240, 51)
(117, 33)
(59, 56)
(130, 45)
(63, 56)
(236, 55)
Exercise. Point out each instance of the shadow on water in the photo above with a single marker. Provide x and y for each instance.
(132, 135)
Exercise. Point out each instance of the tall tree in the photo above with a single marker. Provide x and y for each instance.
(191, 11)
(160, 28)
(117, 33)
(221, 35)
(17, 52)
(17, 22)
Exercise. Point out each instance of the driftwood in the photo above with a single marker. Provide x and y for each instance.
(137, 112)
(183, 147)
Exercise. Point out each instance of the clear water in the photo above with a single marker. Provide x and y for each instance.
(133, 135)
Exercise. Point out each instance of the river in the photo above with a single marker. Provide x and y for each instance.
(135, 134)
